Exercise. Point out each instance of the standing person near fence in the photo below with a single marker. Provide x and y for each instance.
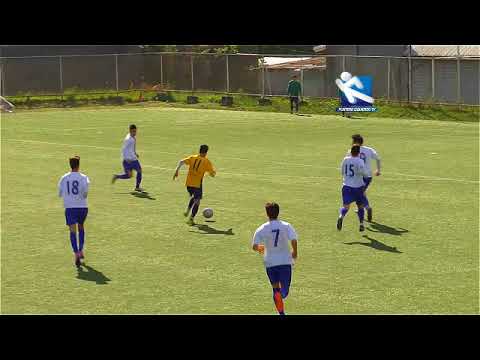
(294, 91)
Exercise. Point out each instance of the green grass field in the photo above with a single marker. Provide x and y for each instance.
(419, 256)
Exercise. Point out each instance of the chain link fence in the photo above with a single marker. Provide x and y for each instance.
(454, 80)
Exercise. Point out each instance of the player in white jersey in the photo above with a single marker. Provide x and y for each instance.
(367, 154)
(73, 188)
(353, 171)
(130, 159)
(273, 240)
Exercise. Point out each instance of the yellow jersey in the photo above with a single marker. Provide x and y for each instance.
(198, 166)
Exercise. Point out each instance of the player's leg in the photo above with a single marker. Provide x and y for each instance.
(347, 200)
(361, 210)
(197, 194)
(273, 276)
(127, 168)
(285, 279)
(81, 231)
(191, 201)
(296, 104)
(291, 104)
(71, 221)
(138, 169)
(367, 182)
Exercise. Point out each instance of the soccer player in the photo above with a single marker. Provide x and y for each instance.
(294, 91)
(273, 240)
(130, 159)
(73, 187)
(353, 171)
(198, 166)
(367, 154)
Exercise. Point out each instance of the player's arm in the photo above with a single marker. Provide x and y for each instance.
(60, 191)
(257, 243)
(211, 170)
(379, 163)
(180, 164)
(292, 236)
(85, 188)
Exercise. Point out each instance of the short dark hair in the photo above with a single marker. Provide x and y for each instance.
(355, 150)
(203, 149)
(74, 162)
(272, 210)
(357, 139)
(133, 126)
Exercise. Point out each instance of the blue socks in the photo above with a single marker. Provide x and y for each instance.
(343, 212)
(81, 236)
(73, 241)
(139, 179)
(190, 204)
(361, 214)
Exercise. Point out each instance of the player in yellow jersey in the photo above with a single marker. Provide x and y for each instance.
(198, 166)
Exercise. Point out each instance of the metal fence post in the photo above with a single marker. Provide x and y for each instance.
(161, 70)
(433, 79)
(344, 64)
(388, 78)
(263, 80)
(228, 77)
(60, 63)
(191, 70)
(1, 77)
(409, 98)
(459, 89)
(301, 82)
(116, 73)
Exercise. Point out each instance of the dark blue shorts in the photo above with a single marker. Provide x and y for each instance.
(281, 274)
(131, 165)
(367, 181)
(356, 195)
(75, 215)
(197, 193)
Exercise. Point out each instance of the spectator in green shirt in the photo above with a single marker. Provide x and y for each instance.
(294, 91)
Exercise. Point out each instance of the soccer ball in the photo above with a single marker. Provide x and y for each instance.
(208, 213)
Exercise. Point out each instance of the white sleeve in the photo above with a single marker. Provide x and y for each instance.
(341, 167)
(375, 155)
(60, 193)
(258, 238)
(85, 189)
(292, 234)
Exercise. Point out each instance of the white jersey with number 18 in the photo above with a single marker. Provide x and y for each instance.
(73, 187)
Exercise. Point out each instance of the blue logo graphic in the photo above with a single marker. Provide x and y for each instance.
(355, 93)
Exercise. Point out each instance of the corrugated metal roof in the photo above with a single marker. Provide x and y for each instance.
(294, 63)
(446, 50)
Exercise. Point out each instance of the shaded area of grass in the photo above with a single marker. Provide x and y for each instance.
(246, 103)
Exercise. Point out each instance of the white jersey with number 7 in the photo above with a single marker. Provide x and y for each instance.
(276, 236)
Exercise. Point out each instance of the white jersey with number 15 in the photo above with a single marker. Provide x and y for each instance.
(353, 171)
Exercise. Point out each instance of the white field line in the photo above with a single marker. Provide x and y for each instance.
(410, 177)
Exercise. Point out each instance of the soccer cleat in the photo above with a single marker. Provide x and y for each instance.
(81, 256)
(114, 178)
(362, 228)
(190, 221)
(339, 223)
(139, 189)
(369, 214)
(77, 261)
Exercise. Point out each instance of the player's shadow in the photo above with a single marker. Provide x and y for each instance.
(142, 195)
(205, 229)
(91, 275)
(375, 244)
(307, 115)
(385, 229)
